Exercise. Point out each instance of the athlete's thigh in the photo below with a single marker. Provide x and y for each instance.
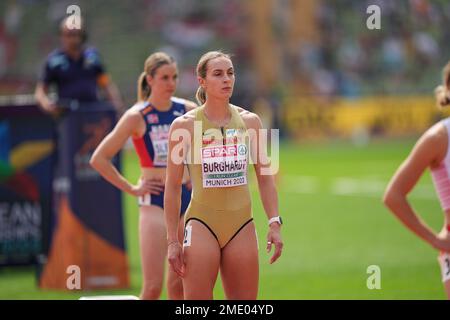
(239, 266)
(202, 259)
(153, 242)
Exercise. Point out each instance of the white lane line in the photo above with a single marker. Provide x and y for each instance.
(346, 186)
(300, 184)
(349, 186)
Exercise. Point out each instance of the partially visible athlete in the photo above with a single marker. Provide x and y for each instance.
(77, 72)
(432, 152)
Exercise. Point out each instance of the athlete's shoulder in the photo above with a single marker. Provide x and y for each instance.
(142, 107)
(188, 116)
(244, 112)
(139, 109)
(251, 119)
(433, 143)
(189, 105)
(185, 120)
(129, 123)
(178, 100)
(134, 112)
(437, 132)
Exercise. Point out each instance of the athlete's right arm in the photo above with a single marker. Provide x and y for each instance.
(425, 153)
(101, 160)
(178, 137)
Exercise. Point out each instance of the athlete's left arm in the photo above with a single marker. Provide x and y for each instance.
(266, 181)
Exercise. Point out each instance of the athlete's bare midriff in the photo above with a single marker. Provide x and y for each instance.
(160, 174)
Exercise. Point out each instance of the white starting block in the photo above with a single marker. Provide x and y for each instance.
(110, 298)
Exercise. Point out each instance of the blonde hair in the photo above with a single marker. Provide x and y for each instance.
(151, 65)
(202, 68)
(442, 92)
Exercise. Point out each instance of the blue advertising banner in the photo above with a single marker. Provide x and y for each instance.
(87, 224)
(26, 165)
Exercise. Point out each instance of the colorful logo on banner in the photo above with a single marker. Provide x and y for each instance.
(14, 163)
(87, 232)
(20, 204)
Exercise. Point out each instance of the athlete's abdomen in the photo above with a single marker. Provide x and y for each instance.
(227, 198)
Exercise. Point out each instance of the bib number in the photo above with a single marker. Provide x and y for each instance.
(187, 236)
(160, 147)
(224, 166)
(444, 261)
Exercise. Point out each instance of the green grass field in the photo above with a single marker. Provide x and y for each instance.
(335, 227)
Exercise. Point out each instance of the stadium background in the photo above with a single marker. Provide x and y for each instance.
(349, 102)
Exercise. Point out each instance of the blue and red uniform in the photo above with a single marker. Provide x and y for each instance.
(152, 147)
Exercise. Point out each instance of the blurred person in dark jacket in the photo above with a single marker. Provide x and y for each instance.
(76, 71)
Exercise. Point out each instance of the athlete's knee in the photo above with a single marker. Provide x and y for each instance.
(151, 291)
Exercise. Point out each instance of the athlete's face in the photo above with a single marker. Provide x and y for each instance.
(164, 82)
(219, 81)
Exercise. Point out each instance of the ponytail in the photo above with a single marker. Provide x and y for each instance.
(201, 95)
(143, 89)
(442, 92)
(442, 96)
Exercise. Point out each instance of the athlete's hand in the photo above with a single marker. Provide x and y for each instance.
(274, 238)
(175, 257)
(145, 186)
(188, 185)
